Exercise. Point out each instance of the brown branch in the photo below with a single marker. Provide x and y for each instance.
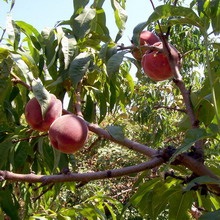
(199, 169)
(28, 138)
(17, 80)
(80, 177)
(125, 142)
(181, 85)
(148, 47)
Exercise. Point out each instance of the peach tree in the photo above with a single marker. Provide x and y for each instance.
(152, 149)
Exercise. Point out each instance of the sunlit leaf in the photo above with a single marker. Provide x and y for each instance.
(179, 210)
(42, 95)
(31, 32)
(68, 48)
(120, 17)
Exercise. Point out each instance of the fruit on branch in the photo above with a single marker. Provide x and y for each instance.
(146, 38)
(34, 117)
(156, 64)
(68, 133)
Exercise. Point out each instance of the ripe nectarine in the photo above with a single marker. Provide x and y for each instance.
(68, 133)
(156, 65)
(34, 117)
(146, 38)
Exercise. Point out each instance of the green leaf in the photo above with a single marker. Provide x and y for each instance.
(77, 5)
(41, 94)
(12, 5)
(201, 180)
(98, 25)
(215, 215)
(116, 132)
(114, 62)
(78, 67)
(5, 148)
(205, 112)
(107, 51)
(81, 24)
(68, 48)
(120, 18)
(57, 155)
(136, 33)
(184, 15)
(180, 204)
(8, 202)
(20, 155)
(89, 112)
(191, 137)
(215, 17)
(31, 32)
(103, 106)
(10, 28)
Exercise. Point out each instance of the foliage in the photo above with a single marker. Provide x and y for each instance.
(80, 51)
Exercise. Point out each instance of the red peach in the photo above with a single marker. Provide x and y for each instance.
(33, 113)
(68, 133)
(156, 65)
(146, 38)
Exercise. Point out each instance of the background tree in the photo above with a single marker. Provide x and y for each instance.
(153, 147)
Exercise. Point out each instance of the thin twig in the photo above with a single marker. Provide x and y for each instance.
(17, 80)
(170, 108)
(28, 138)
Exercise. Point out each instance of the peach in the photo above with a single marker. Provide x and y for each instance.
(156, 65)
(68, 133)
(146, 38)
(34, 117)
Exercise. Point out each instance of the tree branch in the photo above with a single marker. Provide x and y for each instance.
(199, 169)
(125, 142)
(80, 177)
